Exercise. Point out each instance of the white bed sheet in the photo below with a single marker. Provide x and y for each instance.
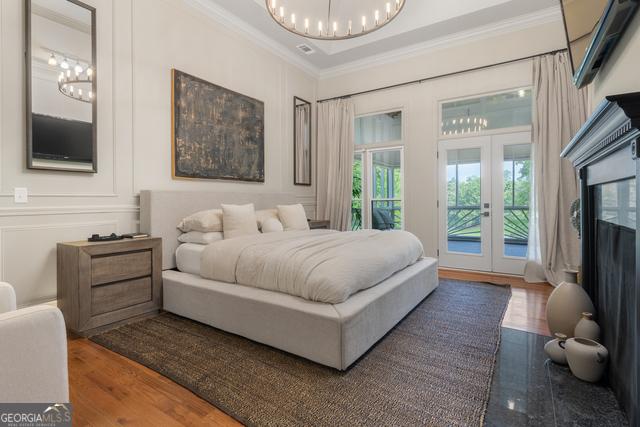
(188, 257)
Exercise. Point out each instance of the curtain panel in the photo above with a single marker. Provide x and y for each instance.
(560, 109)
(335, 162)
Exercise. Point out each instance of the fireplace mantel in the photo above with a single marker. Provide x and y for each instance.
(612, 126)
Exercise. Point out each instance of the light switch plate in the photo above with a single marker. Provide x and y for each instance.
(20, 195)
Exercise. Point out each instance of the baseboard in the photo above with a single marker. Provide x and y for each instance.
(483, 276)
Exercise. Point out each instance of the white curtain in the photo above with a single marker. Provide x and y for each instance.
(335, 162)
(559, 111)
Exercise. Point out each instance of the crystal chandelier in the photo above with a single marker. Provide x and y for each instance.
(301, 22)
(75, 79)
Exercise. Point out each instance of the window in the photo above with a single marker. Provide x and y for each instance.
(357, 193)
(377, 173)
(378, 128)
(498, 111)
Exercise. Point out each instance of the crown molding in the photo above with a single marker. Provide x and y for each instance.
(61, 19)
(237, 25)
(541, 17)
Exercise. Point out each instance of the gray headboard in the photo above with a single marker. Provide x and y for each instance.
(161, 211)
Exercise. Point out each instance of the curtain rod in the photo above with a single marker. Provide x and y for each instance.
(469, 70)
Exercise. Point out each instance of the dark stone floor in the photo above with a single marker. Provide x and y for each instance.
(530, 390)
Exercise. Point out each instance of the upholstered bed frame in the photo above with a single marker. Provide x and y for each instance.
(334, 335)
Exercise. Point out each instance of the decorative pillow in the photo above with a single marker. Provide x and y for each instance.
(239, 220)
(293, 217)
(201, 238)
(203, 221)
(272, 225)
(265, 214)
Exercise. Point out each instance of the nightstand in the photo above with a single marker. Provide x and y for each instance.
(316, 224)
(104, 284)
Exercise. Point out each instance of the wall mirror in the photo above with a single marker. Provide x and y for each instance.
(61, 85)
(301, 141)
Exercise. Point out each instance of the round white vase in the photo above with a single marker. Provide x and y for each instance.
(587, 359)
(555, 349)
(587, 328)
(565, 306)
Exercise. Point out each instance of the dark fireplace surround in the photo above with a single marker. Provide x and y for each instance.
(605, 152)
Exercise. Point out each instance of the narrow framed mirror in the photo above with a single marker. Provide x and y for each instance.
(61, 85)
(301, 141)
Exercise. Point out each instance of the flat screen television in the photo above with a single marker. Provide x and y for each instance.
(593, 27)
(55, 138)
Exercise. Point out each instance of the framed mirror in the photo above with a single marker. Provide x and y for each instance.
(301, 141)
(61, 85)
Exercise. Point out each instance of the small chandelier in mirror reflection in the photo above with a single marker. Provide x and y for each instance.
(75, 79)
(332, 27)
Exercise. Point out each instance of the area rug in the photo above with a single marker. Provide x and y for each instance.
(434, 368)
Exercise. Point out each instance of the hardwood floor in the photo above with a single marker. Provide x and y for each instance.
(110, 390)
(528, 304)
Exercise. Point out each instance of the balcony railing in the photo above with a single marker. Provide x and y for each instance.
(386, 214)
(463, 223)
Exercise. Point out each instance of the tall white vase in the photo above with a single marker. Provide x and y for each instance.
(565, 306)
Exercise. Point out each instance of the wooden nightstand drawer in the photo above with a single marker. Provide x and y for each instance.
(115, 296)
(113, 268)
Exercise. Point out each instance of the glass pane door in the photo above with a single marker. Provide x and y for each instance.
(511, 194)
(516, 187)
(386, 189)
(464, 203)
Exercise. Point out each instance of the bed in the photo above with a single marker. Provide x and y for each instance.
(334, 335)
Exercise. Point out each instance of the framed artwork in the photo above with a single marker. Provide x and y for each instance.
(216, 133)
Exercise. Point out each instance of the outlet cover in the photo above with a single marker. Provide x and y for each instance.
(20, 195)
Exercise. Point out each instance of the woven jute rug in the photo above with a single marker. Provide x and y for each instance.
(433, 368)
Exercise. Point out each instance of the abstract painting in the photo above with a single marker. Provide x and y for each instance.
(216, 133)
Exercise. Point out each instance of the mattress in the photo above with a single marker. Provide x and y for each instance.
(188, 257)
(334, 335)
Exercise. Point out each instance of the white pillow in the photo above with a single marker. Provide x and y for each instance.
(272, 225)
(293, 217)
(201, 238)
(264, 214)
(239, 220)
(203, 221)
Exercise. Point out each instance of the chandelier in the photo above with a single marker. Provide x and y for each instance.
(301, 21)
(462, 125)
(75, 79)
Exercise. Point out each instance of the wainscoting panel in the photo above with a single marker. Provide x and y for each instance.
(28, 253)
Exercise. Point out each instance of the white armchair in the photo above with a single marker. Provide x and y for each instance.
(33, 352)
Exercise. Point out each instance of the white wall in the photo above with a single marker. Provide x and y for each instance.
(420, 104)
(138, 44)
(620, 73)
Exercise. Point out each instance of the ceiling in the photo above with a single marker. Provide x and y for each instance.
(421, 22)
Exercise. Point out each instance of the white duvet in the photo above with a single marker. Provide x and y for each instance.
(319, 265)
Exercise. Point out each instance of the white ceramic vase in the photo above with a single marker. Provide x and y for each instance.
(565, 306)
(555, 349)
(587, 359)
(587, 328)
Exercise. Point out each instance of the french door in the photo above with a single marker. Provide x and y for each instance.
(483, 202)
